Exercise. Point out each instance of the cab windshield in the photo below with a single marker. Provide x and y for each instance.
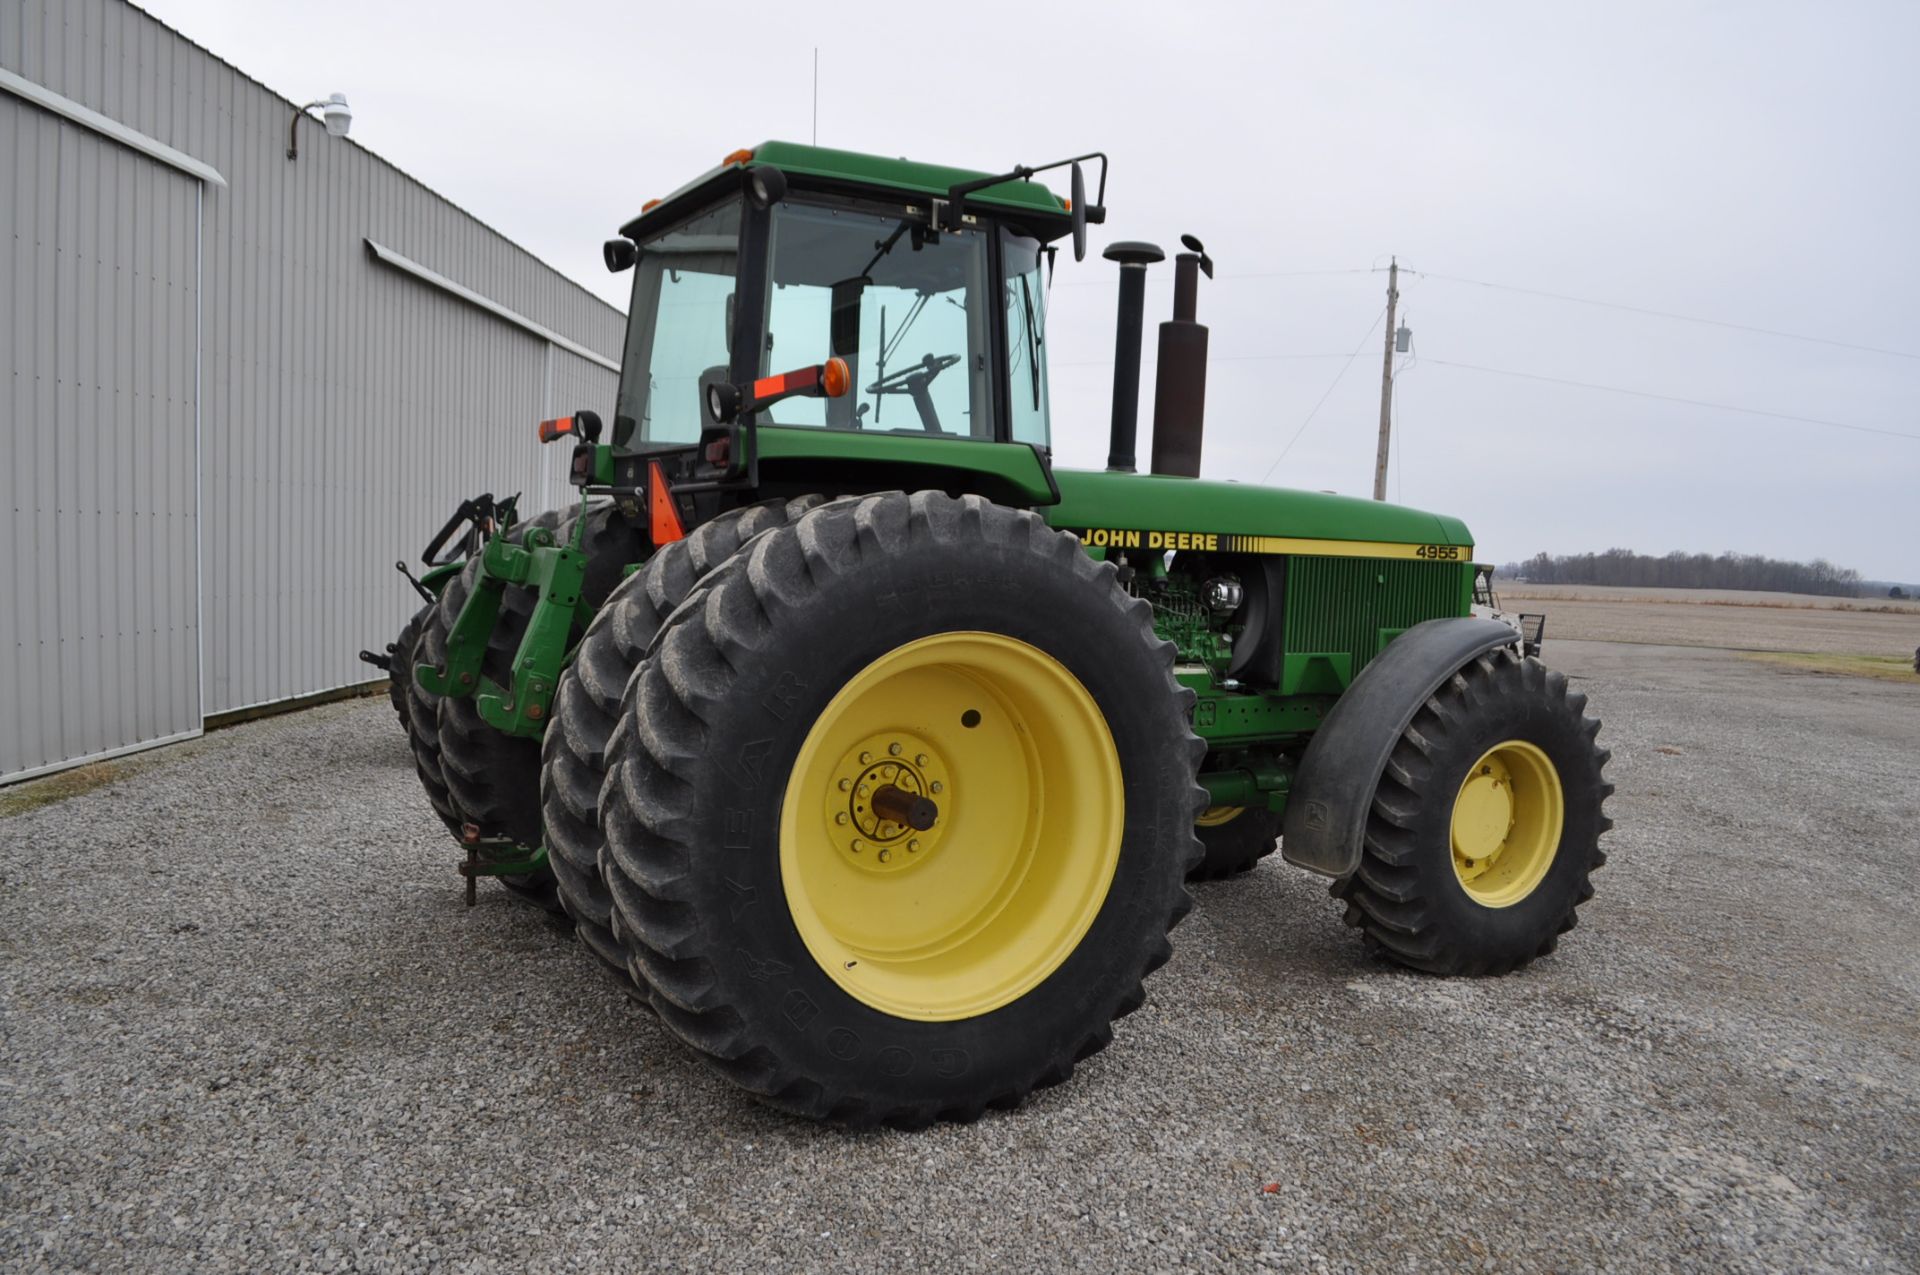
(905, 307)
(679, 329)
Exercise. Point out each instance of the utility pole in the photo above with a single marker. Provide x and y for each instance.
(1386, 384)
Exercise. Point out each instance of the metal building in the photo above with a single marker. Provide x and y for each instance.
(233, 385)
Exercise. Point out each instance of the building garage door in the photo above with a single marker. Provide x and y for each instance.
(98, 354)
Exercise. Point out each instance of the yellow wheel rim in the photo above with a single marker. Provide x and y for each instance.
(1506, 823)
(1214, 816)
(969, 914)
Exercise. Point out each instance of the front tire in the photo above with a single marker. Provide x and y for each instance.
(824, 963)
(1484, 831)
(1233, 839)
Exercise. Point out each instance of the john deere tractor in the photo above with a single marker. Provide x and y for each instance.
(873, 751)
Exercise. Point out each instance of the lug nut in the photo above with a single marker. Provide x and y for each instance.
(885, 855)
(913, 846)
(845, 784)
(840, 818)
(936, 786)
(920, 761)
(893, 750)
(865, 758)
(856, 846)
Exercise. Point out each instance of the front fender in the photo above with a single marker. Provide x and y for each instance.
(1327, 812)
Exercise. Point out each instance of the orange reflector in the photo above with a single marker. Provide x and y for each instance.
(786, 383)
(667, 526)
(737, 157)
(550, 430)
(1067, 204)
(649, 206)
(834, 377)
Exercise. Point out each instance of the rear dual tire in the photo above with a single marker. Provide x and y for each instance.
(573, 763)
(732, 882)
(400, 663)
(476, 775)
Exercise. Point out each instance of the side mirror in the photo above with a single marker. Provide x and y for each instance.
(1079, 214)
(619, 254)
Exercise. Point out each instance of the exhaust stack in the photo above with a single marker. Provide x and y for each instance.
(1180, 392)
(1134, 258)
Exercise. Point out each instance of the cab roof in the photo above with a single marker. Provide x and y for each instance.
(825, 164)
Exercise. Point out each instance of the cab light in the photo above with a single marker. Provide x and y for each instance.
(649, 206)
(736, 157)
(835, 379)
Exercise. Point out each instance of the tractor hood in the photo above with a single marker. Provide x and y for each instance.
(1096, 501)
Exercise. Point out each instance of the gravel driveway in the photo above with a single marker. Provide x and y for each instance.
(246, 1025)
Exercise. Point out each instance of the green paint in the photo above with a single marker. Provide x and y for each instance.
(903, 176)
(1153, 502)
(1010, 473)
(435, 578)
(1224, 718)
(933, 180)
(1248, 778)
(554, 572)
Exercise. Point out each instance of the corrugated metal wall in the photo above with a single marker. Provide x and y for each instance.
(97, 298)
(345, 406)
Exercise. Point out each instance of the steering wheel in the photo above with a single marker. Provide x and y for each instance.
(901, 381)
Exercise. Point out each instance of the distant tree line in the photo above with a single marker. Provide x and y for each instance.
(1688, 571)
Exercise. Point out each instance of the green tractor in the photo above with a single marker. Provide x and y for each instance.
(874, 752)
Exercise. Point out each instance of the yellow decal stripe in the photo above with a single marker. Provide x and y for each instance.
(1344, 548)
(1219, 542)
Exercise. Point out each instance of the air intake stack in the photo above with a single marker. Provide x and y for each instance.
(1134, 258)
(1180, 393)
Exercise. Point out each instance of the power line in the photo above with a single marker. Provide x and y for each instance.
(1108, 281)
(1364, 338)
(1672, 398)
(1211, 358)
(1668, 314)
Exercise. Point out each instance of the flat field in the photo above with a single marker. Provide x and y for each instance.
(1730, 619)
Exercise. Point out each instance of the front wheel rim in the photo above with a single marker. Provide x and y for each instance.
(1506, 824)
(1215, 816)
(963, 917)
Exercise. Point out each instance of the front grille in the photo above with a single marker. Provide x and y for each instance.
(1339, 605)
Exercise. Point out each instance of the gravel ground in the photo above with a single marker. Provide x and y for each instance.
(245, 1025)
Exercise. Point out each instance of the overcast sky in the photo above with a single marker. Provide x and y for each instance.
(1750, 163)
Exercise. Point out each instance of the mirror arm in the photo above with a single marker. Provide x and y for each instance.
(957, 194)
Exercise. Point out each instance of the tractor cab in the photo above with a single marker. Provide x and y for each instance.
(799, 306)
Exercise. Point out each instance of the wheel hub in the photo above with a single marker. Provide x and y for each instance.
(1507, 819)
(1483, 816)
(867, 836)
